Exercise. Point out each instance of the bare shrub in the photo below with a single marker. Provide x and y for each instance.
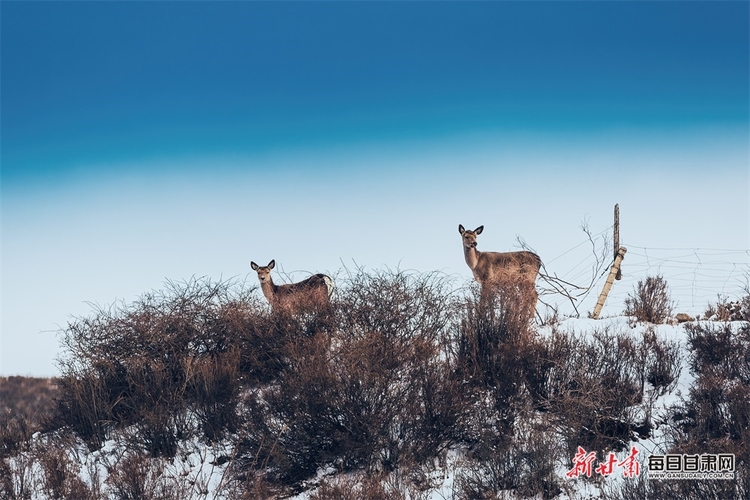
(650, 301)
(44, 466)
(727, 310)
(525, 466)
(85, 404)
(720, 351)
(641, 488)
(537, 399)
(250, 485)
(29, 397)
(719, 404)
(60, 473)
(213, 392)
(506, 369)
(366, 488)
(398, 371)
(15, 430)
(491, 338)
(662, 362)
(17, 477)
(150, 363)
(373, 395)
(26, 405)
(17, 458)
(715, 417)
(592, 390)
(492, 343)
(262, 340)
(136, 477)
(397, 304)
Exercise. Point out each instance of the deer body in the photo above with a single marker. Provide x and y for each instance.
(501, 269)
(314, 292)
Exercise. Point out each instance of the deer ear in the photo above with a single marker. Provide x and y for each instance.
(271, 264)
(461, 229)
(479, 230)
(254, 266)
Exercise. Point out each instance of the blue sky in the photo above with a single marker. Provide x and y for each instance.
(146, 141)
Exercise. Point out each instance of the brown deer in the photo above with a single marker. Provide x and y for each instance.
(314, 292)
(506, 270)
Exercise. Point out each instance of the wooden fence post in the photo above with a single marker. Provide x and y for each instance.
(616, 245)
(609, 282)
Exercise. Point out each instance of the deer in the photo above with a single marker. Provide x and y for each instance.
(502, 270)
(314, 292)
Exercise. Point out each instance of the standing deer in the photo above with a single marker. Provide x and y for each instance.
(494, 270)
(314, 292)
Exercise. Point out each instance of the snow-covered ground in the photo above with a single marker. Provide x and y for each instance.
(200, 471)
(578, 488)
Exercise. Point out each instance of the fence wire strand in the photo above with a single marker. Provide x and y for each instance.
(696, 277)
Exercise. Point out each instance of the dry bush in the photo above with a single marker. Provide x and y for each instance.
(494, 354)
(262, 340)
(85, 405)
(374, 395)
(397, 304)
(60, 473)
(641, 488)
(719, 406)
(15, 431)
(720, 351)
(491, 338)
(251, 485)
(512, 295)
(501, 358)
(662, 362)
(526, 466)
(150, 363)
(537, 399)
(26, 407)
(715, 417)
(593, 389)
(541, 398)
(726, 310)
(366, 488)
(29, 397)
(138, 477)
(17, 477)
(400, 369)
(505, 367)
(650, 301)
(637, 488)
(213, 389)
(45, 467)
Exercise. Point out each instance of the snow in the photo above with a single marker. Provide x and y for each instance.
(204, 467)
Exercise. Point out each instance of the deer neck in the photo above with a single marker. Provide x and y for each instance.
(472, 257)
(269, 289)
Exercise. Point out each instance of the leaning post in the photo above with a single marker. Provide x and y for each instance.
(616, 238)
(609, 282)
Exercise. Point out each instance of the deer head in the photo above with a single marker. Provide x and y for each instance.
(264, 273)
(470, 237)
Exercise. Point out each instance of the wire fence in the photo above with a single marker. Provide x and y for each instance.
(696, 277)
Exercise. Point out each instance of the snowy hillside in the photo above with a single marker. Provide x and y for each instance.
(405, 389)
